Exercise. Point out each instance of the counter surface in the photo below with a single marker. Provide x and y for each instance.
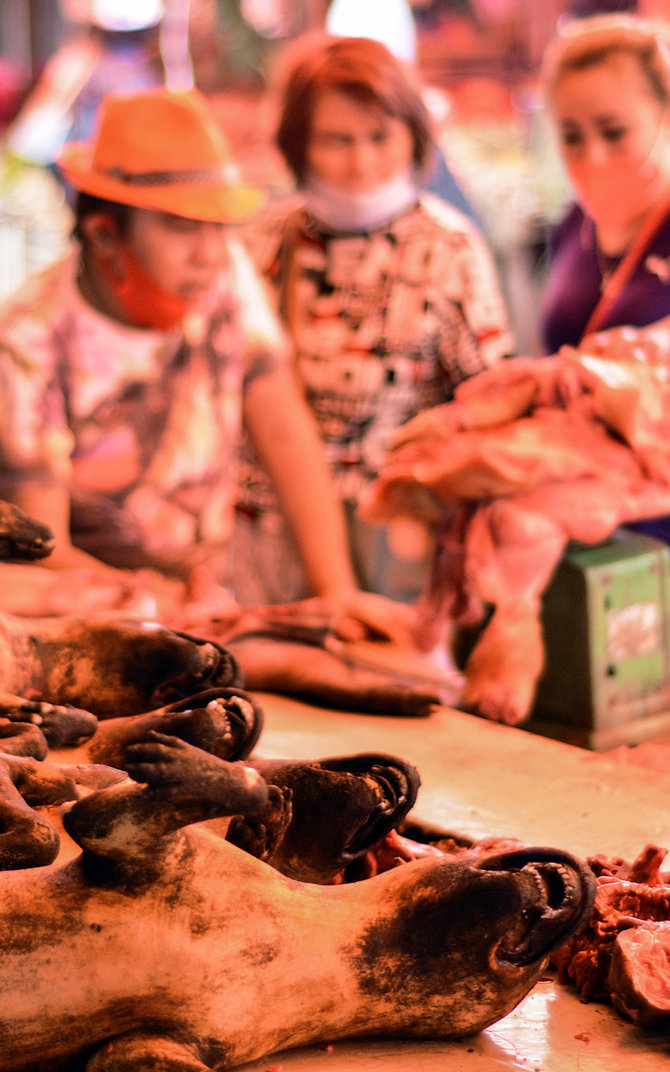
(480, 779)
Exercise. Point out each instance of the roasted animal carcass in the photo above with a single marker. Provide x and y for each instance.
(529, 455)
(158, 945)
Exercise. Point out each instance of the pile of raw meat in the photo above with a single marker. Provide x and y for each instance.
(530, 455)
(624, 954)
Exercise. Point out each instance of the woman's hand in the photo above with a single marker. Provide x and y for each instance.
(356, 615)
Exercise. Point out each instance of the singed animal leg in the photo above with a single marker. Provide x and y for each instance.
(26, 838)
(317, 675)
(511, 553)
(176, 784)
(62, 726)
(225, 721)
(505, 664)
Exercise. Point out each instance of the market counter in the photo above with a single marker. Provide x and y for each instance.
(480, 779)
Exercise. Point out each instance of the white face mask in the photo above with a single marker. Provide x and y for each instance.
(615, 192)
(346, 210)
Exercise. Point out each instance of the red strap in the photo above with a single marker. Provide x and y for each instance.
(627, 266)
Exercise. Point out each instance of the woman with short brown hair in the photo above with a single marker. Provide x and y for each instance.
(389, 294)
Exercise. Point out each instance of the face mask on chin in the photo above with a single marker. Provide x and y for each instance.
(347, 210)
(143, 302)
(615, 194)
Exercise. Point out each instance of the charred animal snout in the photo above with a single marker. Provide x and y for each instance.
(559, 892)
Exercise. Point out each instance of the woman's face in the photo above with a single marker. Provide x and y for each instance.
(356, 147)
(611, 126)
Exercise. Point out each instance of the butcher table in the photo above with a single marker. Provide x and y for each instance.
(480, 779)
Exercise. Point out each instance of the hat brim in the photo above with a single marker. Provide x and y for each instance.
(215, 202)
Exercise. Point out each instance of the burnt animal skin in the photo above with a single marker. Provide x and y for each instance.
(294, 661)
(21, 537)
(338, 809)
(64, 673)
(29, 838)
(158, 945)
(277, 653)
(224, 721)
(108, 665)
(61, 727)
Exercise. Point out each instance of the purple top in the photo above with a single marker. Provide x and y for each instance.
(573, 288)
(573, 291)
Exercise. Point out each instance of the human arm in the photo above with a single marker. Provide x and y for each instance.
(284, 435)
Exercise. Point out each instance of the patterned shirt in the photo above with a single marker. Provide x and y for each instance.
(145, 422)
(385, 323)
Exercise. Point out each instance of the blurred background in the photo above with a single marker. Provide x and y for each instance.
(478, 60)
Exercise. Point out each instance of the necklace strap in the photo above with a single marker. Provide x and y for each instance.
(614, 285)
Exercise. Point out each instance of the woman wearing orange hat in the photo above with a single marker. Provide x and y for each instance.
(126, 370)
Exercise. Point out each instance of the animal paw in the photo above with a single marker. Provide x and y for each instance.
(62, 726)
(191, 774)
(225, 721)
(22, 739)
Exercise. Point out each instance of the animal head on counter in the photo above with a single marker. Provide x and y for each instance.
(335, 811)
(190, 935)
(102, 665)
(111, 666)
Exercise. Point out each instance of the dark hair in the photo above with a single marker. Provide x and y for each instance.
(88, 205)
(361, 68)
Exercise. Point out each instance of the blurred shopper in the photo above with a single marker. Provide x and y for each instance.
(126, 370)
(390, 296)
(608, 87)
(117, 47)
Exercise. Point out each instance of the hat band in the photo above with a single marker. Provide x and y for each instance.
(168, 178)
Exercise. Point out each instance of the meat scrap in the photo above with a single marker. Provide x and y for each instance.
(528, 456)
(623, 955)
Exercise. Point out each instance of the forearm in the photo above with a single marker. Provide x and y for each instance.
(285, 436)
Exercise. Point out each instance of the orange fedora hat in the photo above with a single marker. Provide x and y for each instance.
(161, 149)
